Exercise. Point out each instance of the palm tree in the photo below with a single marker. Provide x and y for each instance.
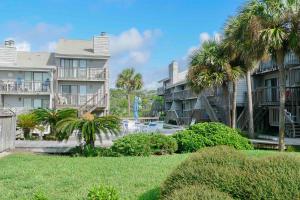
(27, 122)
(89, 126)
(277, 25)
(51, 117)
(130, 82)
(210, 67)
(241, 41)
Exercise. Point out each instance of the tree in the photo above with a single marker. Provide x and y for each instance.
(277, 25)
(51, 117)
(210, 67)
(89, 126)
(130, 82)
(241, 41)
(27, 122)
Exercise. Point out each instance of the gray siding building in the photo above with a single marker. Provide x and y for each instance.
(75, 75)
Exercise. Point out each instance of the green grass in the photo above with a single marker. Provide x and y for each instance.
(62, 177)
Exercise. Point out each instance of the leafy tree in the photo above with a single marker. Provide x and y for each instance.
(130, 82)
(51, 117)
(89, 126)
(277, 26)
(210, 67)
(27, 122)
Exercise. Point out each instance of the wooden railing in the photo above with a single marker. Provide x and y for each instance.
(25, 86)
(83, 73)
(79, 100)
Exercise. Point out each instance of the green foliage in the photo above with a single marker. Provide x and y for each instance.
(51, 117)
(89, 126)
(39, 196)
(103, 193)
(90, 151)
(199, 192)
(143, 144)
(210, 134)
(230, 171)
(27, 122)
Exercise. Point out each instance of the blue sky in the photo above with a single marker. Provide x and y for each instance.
(145, 34)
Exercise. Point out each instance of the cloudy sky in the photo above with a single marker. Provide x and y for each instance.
(145, 34)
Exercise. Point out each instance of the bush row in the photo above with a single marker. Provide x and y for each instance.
(210, 134)
(230, 171)
(140, 144)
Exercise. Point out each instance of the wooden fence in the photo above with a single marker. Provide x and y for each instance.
(7, 130)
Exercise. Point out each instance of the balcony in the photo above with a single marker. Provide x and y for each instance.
(77, 73)
(25, 87)
(290, 60)
(270, 96)
(160, 91)
(78, 100)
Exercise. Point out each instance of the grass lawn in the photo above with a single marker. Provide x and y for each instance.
(61, 177)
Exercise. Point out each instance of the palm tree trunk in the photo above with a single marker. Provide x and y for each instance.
(128, 108)
(227, 104)
(280, 63)
(92, 142)
(234, 92)
(250, 105)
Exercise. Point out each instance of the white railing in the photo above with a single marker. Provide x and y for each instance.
(25, 86)
(83, 73)
(78, 100)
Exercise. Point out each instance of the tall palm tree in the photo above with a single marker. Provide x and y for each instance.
(278, 29)
(241, 40)
(210, 67)
(130, 82)
(89, 126)
(51, 117)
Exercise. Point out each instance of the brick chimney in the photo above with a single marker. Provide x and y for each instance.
(101, 44)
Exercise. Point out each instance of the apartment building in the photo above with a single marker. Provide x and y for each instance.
(75, 75)
(183, 106)
(266, 96)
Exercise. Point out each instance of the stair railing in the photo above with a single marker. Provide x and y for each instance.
(211, 113)
(289, 120)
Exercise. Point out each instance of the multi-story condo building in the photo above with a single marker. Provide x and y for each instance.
(266, 96)
(75, 75)
(183, 106)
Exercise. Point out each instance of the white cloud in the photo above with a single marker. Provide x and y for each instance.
(132, 48)
(23, 46)
(203, 37)
(40, 36)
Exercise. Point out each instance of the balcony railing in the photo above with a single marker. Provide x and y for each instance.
(290, 59)
(25, 87)
(78, 100)
(74, 73)
(160, 91)
(270, 96)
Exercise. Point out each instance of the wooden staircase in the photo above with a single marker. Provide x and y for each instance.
(212, 107)
(96, 102)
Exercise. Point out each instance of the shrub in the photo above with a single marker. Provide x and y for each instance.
(232, 172)
(103, 193)
(209, 134)
(143, 144)
(27, 122)
(198, 192)
(89, 151)
(162, 144)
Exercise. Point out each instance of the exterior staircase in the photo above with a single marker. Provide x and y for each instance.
(292, 128)
(212, 107)
(96, 102)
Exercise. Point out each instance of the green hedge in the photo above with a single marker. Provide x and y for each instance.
(209, 134)
(230, 171)
(198, 192)
(143, 144)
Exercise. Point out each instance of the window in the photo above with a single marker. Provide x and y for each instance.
(27, 103)
(82, 64)
(75, 63)
(45, 103)
(37, 103)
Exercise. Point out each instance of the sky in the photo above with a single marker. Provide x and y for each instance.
(144, 34)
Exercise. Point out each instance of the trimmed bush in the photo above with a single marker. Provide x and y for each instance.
(232, 172)
(209, 134)
(103, 193)
(198, 192)
(143, 144)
